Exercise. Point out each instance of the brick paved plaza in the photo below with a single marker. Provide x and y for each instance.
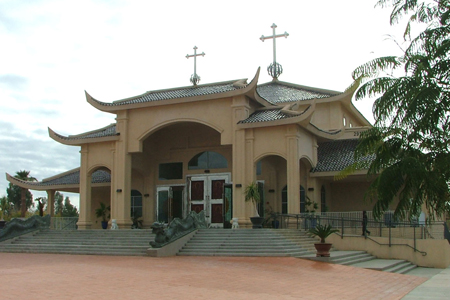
(48, 276)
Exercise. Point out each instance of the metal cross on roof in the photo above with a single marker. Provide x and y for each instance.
(195, 78)
(274, 69)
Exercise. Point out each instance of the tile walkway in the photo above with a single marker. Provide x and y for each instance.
(48, 276)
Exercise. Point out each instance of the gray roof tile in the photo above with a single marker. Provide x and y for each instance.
(265, 116)
(279, 92)
(99, 176)
(183, 92)
(336, 155)
(107, 131)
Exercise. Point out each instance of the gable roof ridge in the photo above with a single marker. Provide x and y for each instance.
(236, 83)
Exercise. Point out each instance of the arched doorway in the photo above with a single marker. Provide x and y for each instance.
(99, 192)
(271, 177)
(186, 166)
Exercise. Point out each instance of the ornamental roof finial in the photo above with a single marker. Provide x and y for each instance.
(194, 77)
(274, 69)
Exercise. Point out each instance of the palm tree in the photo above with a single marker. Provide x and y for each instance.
(24, 176)
(407, 150)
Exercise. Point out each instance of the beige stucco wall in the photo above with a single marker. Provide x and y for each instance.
(438, 251)
(215, 114)
(100, 155)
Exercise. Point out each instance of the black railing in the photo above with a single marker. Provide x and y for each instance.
(388, 227)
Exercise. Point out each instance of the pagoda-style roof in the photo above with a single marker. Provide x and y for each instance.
(104, 134)
(279, 92)
(67, 181)
(180, 95)
(336, 155)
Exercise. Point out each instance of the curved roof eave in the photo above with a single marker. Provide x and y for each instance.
(346, 99)
(334, 135)
(296, 118)
(37, 186)
(241, 89)
(78, 140)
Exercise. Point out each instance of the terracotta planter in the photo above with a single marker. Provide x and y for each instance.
(323, 249)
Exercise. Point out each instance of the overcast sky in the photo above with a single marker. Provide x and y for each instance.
(53, 50)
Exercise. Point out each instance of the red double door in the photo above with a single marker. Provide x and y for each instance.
(206, 193)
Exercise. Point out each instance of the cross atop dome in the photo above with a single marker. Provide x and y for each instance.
(194, 77)
(274, 69)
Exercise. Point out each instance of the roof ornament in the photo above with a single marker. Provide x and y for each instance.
(194, 77)
(274, 69)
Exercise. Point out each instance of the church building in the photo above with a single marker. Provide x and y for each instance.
(196, 148)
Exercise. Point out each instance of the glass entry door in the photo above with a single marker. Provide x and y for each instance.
(169, 203)
(206, 193)
(227, 205)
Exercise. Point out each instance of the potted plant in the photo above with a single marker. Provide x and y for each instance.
(137, 222)
(310, 209)
(252, 194)
(322, 231)
(271, 220)
(103, 212)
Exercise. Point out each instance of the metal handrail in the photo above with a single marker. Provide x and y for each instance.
(64, 223)
(307, 221)
(390, 244)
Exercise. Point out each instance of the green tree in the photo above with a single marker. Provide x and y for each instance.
(59, 203)
(69, 210)
(408, 144)
(20, 197)
(5, 207)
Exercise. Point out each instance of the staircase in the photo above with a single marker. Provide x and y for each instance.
(91, 242)
(364, 260)
(206, 242)
(249, 242)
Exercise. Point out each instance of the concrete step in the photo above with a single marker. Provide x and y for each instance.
(105, 242)
(362, 259)
(387, 265)
(246, 242)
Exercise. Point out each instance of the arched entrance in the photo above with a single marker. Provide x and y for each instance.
(271, 177)
(185, 167)
(99, 192)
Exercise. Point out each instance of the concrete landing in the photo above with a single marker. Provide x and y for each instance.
(435, 288)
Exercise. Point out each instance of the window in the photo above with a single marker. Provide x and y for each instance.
(208, 160)
(323, 200)
(259, 168)
(170, 171)
(136, 203)
(302, 199)
(284, 203)
(284, 200)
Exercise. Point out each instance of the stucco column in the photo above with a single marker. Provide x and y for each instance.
(51, 203)
(240, 112)
(84, 219)
(293, 169)
(250, 172)
(121, 186)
